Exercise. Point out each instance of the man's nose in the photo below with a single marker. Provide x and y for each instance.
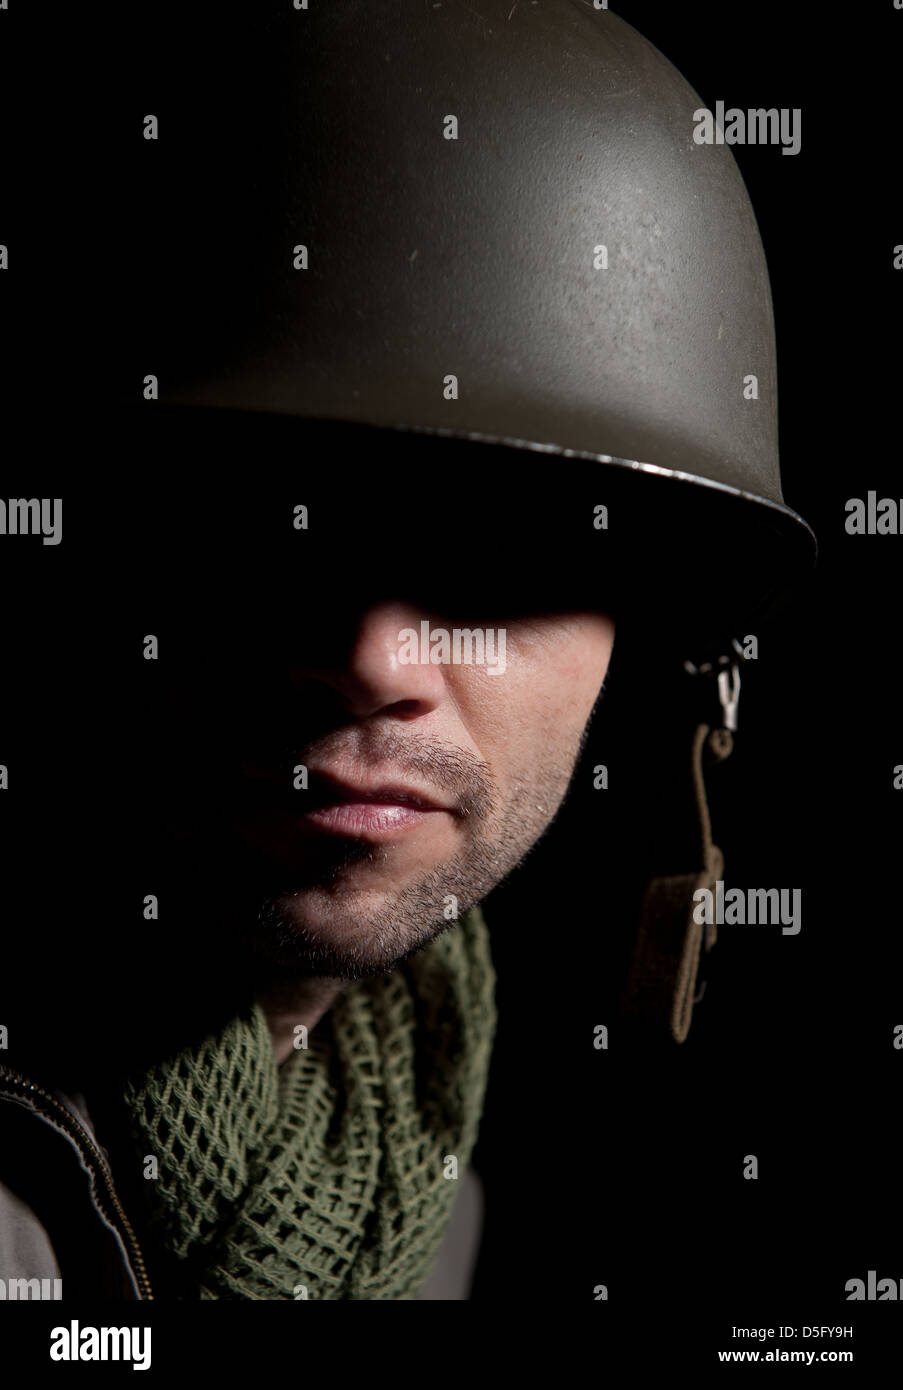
(368, 667)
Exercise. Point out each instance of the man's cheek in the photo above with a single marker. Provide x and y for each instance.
(557, 716)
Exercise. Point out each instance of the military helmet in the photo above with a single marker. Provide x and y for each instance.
(486, 225)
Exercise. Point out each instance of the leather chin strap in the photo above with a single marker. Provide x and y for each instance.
(661, 985)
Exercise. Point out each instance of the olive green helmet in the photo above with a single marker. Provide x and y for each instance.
(485, 222)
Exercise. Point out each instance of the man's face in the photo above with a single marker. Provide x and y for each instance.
(426, 782)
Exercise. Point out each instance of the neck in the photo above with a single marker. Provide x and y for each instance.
(292, 1005)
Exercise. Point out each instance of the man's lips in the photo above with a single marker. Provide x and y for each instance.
(333, 804)
(327, 790)
(370, 819)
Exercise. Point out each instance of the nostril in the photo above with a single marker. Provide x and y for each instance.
(405, 709)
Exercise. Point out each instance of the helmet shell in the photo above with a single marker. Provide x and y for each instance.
(510, 237)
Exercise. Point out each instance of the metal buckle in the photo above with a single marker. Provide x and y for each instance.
(729, 695)
(727, 669)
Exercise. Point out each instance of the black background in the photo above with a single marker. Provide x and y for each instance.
(620, 1167)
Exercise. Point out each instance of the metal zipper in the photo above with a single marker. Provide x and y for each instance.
(89, 1150)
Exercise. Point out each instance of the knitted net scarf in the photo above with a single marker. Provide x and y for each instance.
(325, 1177)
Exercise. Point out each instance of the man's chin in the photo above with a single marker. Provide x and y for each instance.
(350, 934)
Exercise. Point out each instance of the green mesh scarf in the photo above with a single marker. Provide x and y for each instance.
(328, 1172)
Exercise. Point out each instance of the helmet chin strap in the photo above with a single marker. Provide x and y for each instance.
(663, 980)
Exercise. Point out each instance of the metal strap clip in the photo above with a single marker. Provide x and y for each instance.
(727, 668)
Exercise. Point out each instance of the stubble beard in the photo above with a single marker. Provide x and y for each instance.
(370, 935)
